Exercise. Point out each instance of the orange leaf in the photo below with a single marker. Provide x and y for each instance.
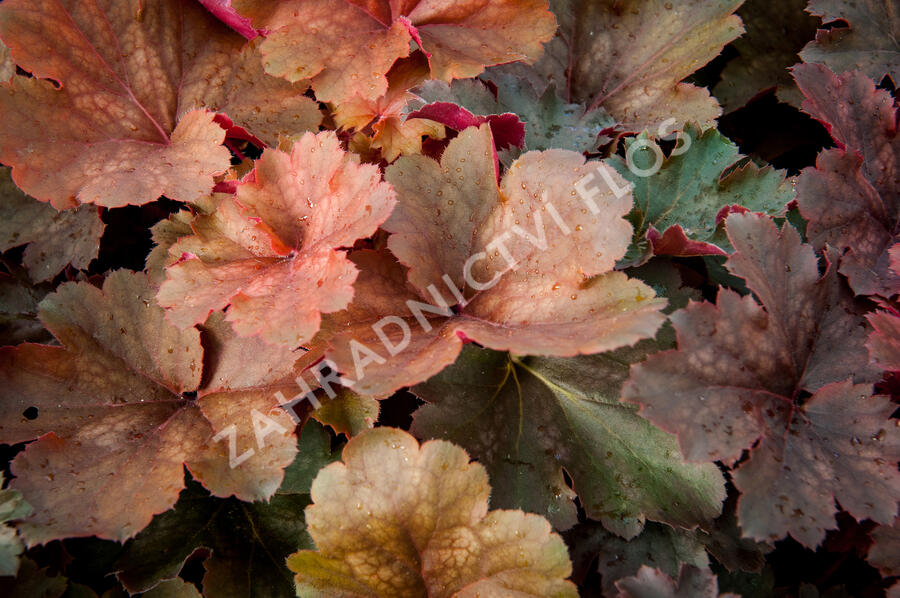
(555, 294)
(115, 423)
(121, 125)
(347, 46)
(272, 251)
(398, 520)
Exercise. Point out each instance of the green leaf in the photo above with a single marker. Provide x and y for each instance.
(313, 453)
(527, 418)
(690, 188)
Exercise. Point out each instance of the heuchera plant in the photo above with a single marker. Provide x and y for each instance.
(441, 298)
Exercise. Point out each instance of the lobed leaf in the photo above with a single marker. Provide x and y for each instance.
(393, 132)
(539, 416)
(348, 413)
(653, 583)
(614, 558)
(507, 129)
(396, 519)
(114, 113)
(33, 581)
(247, 543)
(868, 44)
(115, 424)
(884, 342)
(551, 292)
(550, 122)
(345, 47)
(884, 553)
(55, 238)
(679, 207)
(630, 57)
(776, 32)
(11, 548)
(19, 300)
(851, 197)
(738, 379)
(273, 251)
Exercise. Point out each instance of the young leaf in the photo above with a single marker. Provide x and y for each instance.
(738, 381)
(541, 259)
(776, 32)
(393, 132)
(122, 126)
(345, 47)
(538, 416)
(273, 250)
(507, 129)
(55, 239)
(398, 520)
(631, 56)
(678, 207)
(653, 583)
(852, 199)
(348, 413)
(114, 424)
(869, 44)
